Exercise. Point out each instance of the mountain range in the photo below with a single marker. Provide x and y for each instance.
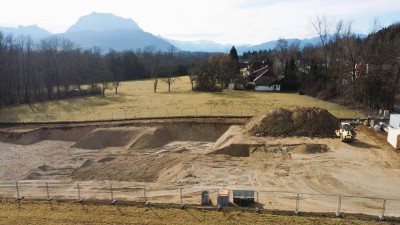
(107, 31)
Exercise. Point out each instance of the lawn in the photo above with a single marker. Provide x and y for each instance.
(137, 99)
(74, 213)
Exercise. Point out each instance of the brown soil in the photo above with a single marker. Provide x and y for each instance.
(127, 137)
(197, 156)
(309, 122)
(310, 148)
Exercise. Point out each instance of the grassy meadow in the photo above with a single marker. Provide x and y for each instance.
(136, 99)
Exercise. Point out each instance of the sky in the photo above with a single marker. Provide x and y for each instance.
(222, 21)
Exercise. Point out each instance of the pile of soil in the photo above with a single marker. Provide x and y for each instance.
(310, 148)
(309, 122)
(127, 137)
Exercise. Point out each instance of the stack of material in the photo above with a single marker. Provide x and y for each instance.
(310, 122)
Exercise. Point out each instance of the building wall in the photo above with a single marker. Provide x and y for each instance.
(394, 120)
(268, 88)
(394, 137)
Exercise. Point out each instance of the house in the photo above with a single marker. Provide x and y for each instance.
(265, 80)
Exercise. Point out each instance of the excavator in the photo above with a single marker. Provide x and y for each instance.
(345, 132)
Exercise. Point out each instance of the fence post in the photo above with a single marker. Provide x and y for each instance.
(113, 201)
(47, 191)
(297, 203)
(338, 213)
(144, 195)
(382, 217)
(125, 115)
(180, 194)
(79, 194)
(257, 197)
(17, 188)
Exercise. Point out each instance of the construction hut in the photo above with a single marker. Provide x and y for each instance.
(243, 197)
(223, 198)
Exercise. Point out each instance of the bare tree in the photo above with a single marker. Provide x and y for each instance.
(323, 27)
(282, 50)
(155, 83)
(167, 71)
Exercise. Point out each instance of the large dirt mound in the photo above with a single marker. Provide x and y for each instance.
(310, 122)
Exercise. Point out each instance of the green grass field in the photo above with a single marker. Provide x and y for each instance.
(136, 99)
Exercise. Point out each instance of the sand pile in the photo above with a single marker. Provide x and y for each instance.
(127, 137)
(310, 122)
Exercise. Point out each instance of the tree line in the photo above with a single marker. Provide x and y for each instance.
(57, 68)
(343, 67)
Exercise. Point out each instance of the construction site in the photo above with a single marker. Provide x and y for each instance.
(280, 151)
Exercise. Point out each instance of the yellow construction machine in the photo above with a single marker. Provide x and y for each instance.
(345, 132)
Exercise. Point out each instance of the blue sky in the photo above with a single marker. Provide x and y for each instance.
(223, 21)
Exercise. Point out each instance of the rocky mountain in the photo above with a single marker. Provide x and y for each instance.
(107, 31)
(103, 30)
(101, 22)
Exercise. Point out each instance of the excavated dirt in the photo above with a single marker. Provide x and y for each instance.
(168, 155)
(308, 122)
(127, 137)
(310, 148)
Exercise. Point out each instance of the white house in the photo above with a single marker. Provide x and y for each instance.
(265, 81)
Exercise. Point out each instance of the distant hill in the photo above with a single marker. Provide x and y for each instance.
(107, 31)
(34, 31)
(200, 46)
(209, 46)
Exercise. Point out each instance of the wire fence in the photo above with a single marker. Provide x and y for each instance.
(263, 199)
(11, 117)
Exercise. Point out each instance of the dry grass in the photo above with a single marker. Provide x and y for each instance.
(137, 99)
(74, 213)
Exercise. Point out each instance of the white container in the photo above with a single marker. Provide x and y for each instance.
(385, 112)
